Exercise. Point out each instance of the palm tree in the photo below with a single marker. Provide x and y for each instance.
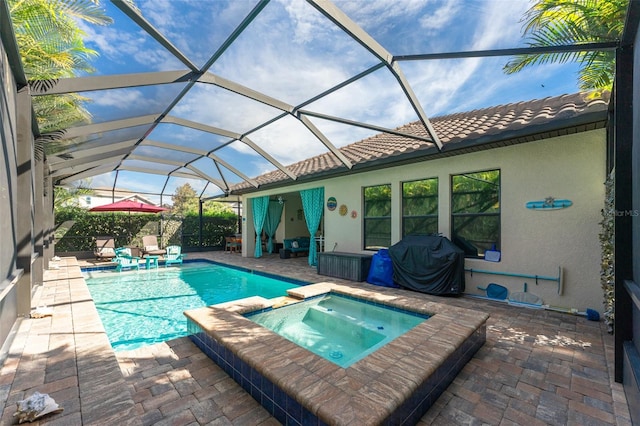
(68, 197)
(51, 47)
(571, 22)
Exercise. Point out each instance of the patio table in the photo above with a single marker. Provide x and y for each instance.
(151, 262)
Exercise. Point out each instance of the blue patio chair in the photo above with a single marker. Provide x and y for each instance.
(125, 260)
(174, 255)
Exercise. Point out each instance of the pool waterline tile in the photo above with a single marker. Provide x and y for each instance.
(409, 399)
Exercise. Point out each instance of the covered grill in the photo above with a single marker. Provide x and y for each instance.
(429, 264)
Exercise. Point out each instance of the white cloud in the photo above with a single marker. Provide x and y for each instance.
(292, 53)
(176, 23)
(166, 15)
(118, 99)
(308, 25)
(141, 182)
(223, 109)
(378, 13)
(100, 181)
(288, 141)
(442, 16)
(111, 42)
(446, 86)
(119, 48)
(499, 25)
(376, 99)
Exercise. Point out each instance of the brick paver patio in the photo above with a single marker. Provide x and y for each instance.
(537, 367)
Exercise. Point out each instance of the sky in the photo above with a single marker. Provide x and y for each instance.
(292, 52)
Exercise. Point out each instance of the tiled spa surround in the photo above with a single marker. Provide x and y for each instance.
(394, 385)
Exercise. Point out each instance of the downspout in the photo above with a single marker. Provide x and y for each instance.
(200, 203)
(239, 217)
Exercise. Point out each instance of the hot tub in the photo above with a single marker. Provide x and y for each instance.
(339, 328)
(396, 384)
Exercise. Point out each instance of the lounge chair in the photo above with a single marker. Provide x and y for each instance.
(174, 255)
(105, 248)
(150, 246)
(125, 260)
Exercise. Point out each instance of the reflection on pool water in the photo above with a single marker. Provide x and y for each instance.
(340, 329)
(139, 308)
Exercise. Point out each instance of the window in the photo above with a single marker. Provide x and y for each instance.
(420, 207)
(475, 211)
(377, 216)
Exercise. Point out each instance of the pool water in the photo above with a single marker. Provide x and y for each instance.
(139, 308)
(340, 329)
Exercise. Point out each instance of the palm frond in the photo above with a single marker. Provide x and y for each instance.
(599, 72)
(42, 141)
(87, 10)
(573, 22)
(57, 112)
(42, 85)
(51, 46)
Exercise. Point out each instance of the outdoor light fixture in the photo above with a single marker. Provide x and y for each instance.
(281, 200)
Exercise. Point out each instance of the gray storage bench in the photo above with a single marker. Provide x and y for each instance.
(349, 266)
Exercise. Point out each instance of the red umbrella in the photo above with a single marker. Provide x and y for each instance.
(128, 206)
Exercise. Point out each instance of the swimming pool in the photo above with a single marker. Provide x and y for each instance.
(139, 308)
(340, 329)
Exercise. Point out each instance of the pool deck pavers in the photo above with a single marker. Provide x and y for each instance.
(537, 367)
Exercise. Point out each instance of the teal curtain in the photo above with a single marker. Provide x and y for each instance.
(259, 207)
(274, 213)
(313, 205)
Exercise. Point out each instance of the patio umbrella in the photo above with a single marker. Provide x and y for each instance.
(128, 206)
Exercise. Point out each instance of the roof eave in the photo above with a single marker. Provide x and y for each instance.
(559, 127)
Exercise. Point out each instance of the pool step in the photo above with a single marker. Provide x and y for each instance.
(279, 302)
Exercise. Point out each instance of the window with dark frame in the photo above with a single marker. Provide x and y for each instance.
(475, 212)
(420, 207)
(377, 216)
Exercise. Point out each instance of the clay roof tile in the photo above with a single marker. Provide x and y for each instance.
(467, 128)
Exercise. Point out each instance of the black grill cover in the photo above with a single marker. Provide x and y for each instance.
(429, 264)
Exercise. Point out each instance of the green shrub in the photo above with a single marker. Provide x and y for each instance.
(76, 229)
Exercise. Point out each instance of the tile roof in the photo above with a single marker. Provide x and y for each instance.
(459, 133)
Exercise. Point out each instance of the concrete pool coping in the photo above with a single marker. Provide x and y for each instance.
(371, 391)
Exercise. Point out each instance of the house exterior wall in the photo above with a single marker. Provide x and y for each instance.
(100, 199)
(26, 194)
(532, 242)
(9, 274)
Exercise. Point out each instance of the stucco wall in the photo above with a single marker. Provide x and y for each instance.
(8, 171)
(532, 242)
(8, 205)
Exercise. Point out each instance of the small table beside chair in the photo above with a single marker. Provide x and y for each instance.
(151, 261)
